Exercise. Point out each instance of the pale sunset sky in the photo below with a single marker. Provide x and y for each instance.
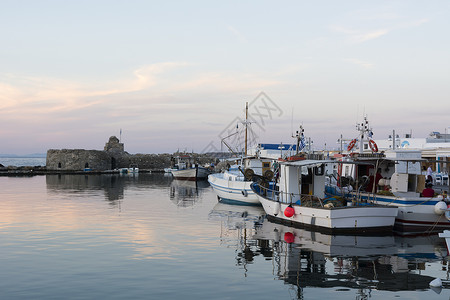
(176, 74)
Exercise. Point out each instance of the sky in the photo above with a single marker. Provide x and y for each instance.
(175, 75)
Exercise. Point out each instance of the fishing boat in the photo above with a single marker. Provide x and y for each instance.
(195, 172)
(187, 169)
(298, 199)
(390, 178)
(233, 185)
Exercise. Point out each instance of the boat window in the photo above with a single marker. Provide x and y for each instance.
(320, 170)
(307, 179)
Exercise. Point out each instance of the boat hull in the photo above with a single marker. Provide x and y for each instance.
(415, 214)
(233, 191)
(199, 173)
(354, 220)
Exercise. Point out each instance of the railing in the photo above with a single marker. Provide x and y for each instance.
(287, 198)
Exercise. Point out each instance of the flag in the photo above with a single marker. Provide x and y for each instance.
(302, 143)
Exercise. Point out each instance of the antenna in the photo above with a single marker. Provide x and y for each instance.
(292, 122)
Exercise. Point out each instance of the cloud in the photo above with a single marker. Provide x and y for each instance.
(47, 95)
(156, 90)
(237, 34)
(367, 36)
(364, 64)
(366, 25)
(359, 36)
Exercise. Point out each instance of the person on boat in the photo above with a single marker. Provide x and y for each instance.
(430, 174)
(378, 176)
(428, 191)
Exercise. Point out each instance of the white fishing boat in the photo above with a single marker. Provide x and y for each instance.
(196, 172)
(391, 178)
(187, 169)
(298, 199)
(233, 185)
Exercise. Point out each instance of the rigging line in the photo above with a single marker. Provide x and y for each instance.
(434, 225)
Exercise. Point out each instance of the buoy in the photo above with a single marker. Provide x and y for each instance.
(437, 282)
(440, 208)
(276, 209)
(289, 237)
(289, 211)
(244, 193)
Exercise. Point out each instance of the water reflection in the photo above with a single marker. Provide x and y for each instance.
(113, 185)
(237, 227)
(391, 263)
(349, 264)
(185, 193)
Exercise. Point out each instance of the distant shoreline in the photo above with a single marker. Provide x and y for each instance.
(36, 155)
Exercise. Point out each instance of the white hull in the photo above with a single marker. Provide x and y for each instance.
(330, 245)
(191, 174)
(415, 214)
(357, 219)
(233, 191)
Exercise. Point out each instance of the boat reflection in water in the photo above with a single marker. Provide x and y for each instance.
(238, 223)
(350, 264)
(185, 193)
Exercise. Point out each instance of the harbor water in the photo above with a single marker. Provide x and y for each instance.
(148, 236)
(22, 161)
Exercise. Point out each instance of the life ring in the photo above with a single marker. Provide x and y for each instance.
(351, 145)
(373, 146)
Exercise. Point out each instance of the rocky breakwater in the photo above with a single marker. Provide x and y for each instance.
(79, 161)
(22, 170)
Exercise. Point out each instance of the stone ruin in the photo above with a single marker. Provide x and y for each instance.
(112, 157)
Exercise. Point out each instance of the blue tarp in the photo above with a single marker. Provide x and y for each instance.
(276, 146)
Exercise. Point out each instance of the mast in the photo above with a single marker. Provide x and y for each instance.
(246, 124)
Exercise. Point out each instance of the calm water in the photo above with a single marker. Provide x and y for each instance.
(149, 237)
(23, 161)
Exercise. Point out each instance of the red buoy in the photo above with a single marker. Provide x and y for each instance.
(289, 211)
(289, 237)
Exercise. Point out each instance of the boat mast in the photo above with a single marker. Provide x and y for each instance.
(246, 124)
(365, 133)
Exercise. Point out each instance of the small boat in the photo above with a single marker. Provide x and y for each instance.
(187, 169)
(298, 199)
(196, 172)
(132, 169)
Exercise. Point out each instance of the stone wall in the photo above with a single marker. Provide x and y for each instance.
(112, 157)
(77, 160)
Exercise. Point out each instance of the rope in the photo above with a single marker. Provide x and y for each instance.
(434, 225)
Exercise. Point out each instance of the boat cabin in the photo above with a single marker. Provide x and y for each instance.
(395, 170)
(304, 177)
